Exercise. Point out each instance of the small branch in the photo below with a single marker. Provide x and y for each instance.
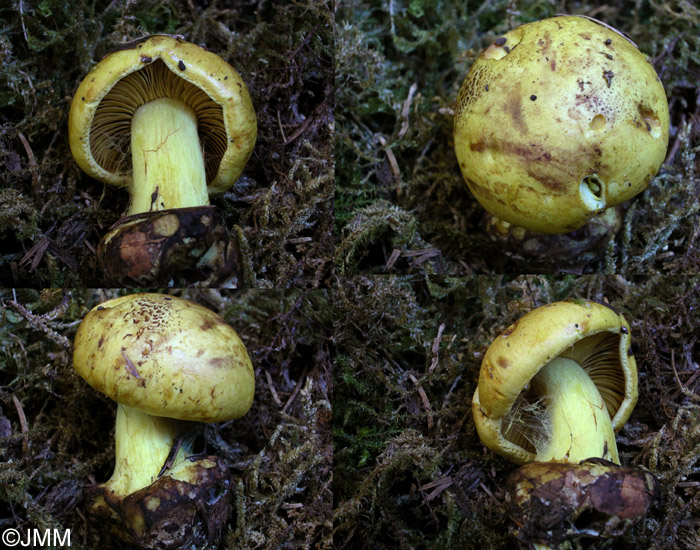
(23, 423)
(39, 323)
(296, 390)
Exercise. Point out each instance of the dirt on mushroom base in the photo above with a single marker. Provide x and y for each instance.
(409, 467)
(280, 211)
(279, 454)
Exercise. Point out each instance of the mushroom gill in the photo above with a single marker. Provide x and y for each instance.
(111, 125)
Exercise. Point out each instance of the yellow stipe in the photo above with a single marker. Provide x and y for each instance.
(142, 445)
(578, 421)
(168, 167)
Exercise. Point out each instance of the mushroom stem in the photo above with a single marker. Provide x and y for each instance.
(168, 166)
(142, 445)
(580, 426)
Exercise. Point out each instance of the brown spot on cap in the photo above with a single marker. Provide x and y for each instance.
(544, 176)
(503, 362)
(219, 362)
(514, 109)
(511, 329)
(181, 65)
(608, 76)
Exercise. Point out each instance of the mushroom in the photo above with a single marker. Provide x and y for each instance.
(170, 364)
(174, 124)
(558, 120)
(554, 388)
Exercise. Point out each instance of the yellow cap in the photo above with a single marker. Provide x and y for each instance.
(166, 357)
(558, 120)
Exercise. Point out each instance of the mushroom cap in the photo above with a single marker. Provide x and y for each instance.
(557, 120)
(99, 125)
(592, 334)
(165, 356)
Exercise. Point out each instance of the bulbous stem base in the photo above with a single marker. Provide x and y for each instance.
(177, 247)
(156, 499)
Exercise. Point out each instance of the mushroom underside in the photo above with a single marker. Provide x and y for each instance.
(527, 424)
(110, 132)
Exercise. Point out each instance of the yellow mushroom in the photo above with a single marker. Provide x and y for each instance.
(567, 357)
(553, 390)
(169, 363)
(171, 122)
(558, 120)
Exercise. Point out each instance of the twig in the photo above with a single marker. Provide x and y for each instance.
(395, 254)
(684, 390)
(305, 124)
(39, 323)
(170, 459)
(669, 47)
(132, 368)
(295, 391)
(32, 161)
(272, 389)
(488, 491)
(392, 162)
(438, 486)
(426, 402)
(406, 109)
(21, 16)
(31, 86)
(279, 123)
(23, 423)
(436, 348)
